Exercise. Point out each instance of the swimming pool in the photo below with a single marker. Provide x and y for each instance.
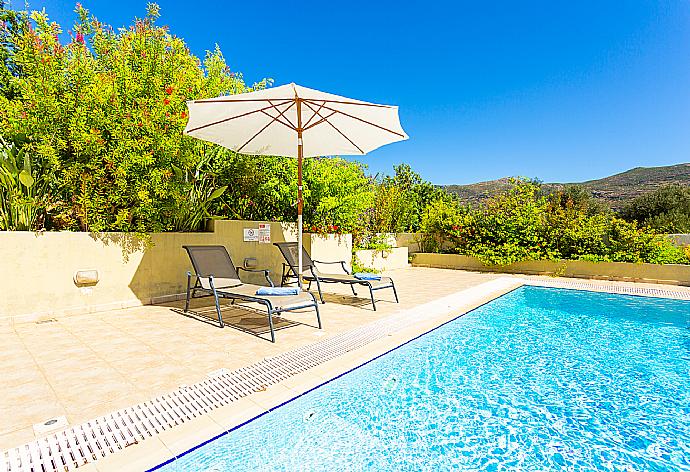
(539, 379)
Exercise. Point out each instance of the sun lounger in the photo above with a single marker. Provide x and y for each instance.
(311, 273)
(216, 275)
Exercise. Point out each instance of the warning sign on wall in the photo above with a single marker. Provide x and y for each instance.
(251, 234)
(265, 233)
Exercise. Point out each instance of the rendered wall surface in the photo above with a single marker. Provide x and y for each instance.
(652, 273)
(37, 269)
(397, 258)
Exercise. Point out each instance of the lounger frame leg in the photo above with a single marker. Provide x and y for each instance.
(189, 288)
(215, 296)
(316, 307)
(269, 309)
(318, 286)
(371, 293)
(352, 287)
(395, 292)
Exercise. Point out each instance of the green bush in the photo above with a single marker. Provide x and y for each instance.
(666, 210)
(104, 114)
(21, 188)
(336, 192)
(400, 199)
(525, 224)
(103, 117)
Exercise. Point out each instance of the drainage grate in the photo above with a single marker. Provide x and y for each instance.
(682, 294)
(88, 442)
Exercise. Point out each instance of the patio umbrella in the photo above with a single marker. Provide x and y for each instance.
(294, 121)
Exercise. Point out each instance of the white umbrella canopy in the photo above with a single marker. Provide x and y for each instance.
(266, 122)
(294, 121)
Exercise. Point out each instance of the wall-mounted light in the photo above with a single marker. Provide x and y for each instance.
(85, 277)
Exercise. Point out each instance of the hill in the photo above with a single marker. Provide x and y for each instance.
(615, 190)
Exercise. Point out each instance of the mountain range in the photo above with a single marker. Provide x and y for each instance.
(615, 190)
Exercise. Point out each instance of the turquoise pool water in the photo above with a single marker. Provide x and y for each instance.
(539, 379)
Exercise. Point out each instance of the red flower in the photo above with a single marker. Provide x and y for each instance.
(80, 38)
(183, 114)
(166, 101)
(169, 90)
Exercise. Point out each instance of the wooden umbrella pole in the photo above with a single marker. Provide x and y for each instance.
(300, 155)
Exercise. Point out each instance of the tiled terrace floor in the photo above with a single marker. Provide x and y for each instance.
(88, 365)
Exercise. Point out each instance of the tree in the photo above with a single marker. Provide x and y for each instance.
(400, 200)
(666, 210)
(104, 114)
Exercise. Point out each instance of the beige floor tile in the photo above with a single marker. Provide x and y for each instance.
(162, 378)
(118, 347)
(272, 396)
(145, 455)
(16, 438)
(76, 372)
(89, 412)
(81, 397)
(151, 360)
(57, 356)
(14, 418)
(10, 346)
(13, 397)
(16, 374)
(105, 361)
(189, 434)
(236, 413)
(303, 382)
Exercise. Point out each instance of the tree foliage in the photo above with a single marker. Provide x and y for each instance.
(666, 210)
(525, 224)
(103, 117)
(400, 200)
(92, 140)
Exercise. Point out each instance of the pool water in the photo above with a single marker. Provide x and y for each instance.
(539, 379)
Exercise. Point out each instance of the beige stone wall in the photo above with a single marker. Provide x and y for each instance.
(380, 261)
(679, 239)
(37, 269)
(653, 273)
(329, 248)
(409, 240)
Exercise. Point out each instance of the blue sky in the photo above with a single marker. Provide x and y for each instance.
(562, 91)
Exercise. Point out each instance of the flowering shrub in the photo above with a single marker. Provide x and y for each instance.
(332, 229)
(524, 224)
(103, 116)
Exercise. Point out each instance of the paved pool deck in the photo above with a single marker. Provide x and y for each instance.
(85, 366)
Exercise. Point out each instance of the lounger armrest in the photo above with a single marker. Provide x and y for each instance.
(200, 276)
(266, 273)
(342, 264)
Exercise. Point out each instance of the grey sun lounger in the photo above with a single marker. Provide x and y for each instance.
(311, 273)
(216, 275)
